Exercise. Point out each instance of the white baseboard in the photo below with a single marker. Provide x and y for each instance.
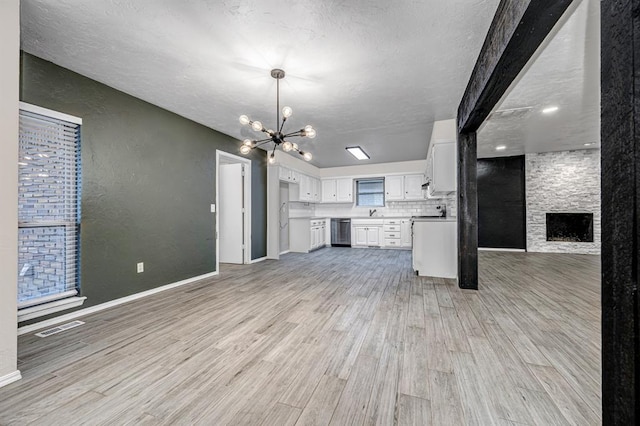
(285, 252)
(101, 307)
(260, 259)
(501, 249)
(10, 378)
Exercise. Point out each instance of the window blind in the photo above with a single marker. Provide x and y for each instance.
(370, 192)
(48, 209)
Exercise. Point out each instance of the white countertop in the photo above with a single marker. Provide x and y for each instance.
(434, 219)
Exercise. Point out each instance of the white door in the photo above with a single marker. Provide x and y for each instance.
(231, 224)
(394, 188)
(344, 190)
(413, 187)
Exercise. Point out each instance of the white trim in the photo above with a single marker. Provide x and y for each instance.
(49, 308)
(260, 259)
(101, 307)
(501, 249)
(10, 378)
(247, 204)
(50, 113)
(286, 251)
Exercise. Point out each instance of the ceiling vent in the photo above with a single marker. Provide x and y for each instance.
(510, 113)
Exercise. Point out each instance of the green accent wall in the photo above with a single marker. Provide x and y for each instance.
(148, 180)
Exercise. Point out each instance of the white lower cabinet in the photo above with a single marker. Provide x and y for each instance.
(365, 235)
(385, 233)
(306, 234)
(406, 230)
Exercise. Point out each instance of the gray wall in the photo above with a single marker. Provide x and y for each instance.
(562, 182)
(148, 179)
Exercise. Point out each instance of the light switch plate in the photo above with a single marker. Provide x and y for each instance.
(213, 208)
(140, 267)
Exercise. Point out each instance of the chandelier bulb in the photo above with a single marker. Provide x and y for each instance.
(271, 132)
(244, 120)
(294, 146)
(247, 142)
(287, 146)
(272, 158)
(311, 133)
(256, 125)
(286, 112)
(245, 149)
(307, 156)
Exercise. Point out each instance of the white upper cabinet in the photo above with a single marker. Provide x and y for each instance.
(403, 187)
(337, 190)
(413, 187)
(443, 168)
(329, 190)
(345, 190)
(394, 188)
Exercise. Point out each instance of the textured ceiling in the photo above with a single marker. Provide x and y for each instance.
(370, 73)
(566, 74)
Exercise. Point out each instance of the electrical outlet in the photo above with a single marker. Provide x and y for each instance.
(140, 267)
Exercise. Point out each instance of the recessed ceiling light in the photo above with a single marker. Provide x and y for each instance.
(549, 110)
(357, 152)
(501, 147)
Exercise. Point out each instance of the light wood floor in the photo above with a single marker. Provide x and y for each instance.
(339, 336)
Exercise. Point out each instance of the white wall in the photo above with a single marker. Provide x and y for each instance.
(9, 78)
(562, 182)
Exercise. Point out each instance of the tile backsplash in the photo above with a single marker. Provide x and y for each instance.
(393, 208)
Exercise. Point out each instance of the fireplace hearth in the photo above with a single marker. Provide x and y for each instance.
(570, 227)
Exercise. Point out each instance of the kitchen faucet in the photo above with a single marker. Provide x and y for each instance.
(371, 212)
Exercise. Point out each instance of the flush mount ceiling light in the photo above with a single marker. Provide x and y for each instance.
(550, 109)
(589, 143)
(501, 147)
(357, 152)
(276, 136)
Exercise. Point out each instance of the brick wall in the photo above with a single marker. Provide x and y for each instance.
(562, 182)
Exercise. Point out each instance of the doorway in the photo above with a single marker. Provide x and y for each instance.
(284, 218)
(233, 209)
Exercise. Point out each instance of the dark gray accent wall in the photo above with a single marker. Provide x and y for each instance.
(501, 203)
(148, 179)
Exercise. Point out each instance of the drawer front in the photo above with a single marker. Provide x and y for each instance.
(392, 235)
(392, 243)
(392, 221)
(395, 228)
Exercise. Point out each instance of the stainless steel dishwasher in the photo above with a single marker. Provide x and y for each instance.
(340, 232)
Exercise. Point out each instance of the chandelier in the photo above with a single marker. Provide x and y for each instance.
(277, 136)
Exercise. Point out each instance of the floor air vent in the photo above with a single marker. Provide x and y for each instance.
(59, 329)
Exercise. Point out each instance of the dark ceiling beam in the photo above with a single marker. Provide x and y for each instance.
(516, 32)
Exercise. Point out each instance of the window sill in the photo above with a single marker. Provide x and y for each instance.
(49, 308)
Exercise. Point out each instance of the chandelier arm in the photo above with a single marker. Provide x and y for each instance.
(260, 143)
(296, 133)
(282, 125)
